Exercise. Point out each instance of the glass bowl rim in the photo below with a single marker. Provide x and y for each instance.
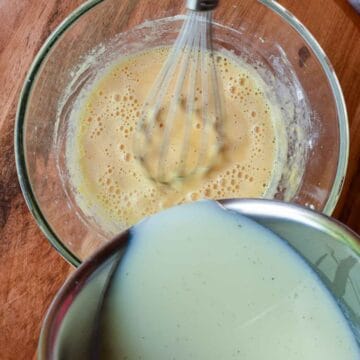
(23, 176)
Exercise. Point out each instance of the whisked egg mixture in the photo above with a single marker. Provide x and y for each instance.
(109, 182)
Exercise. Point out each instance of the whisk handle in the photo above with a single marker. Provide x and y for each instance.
(201, 5)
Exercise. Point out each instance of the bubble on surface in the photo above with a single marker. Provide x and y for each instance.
(110, 116)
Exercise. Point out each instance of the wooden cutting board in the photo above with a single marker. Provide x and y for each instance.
(31, 272)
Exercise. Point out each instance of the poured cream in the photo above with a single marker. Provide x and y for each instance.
(111, 185)
(198, 282)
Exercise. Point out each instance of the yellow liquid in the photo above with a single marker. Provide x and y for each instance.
(112, 186)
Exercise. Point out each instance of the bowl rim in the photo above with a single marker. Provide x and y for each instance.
(251, 208)
(19, 145)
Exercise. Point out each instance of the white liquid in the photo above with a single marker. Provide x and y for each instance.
(198, 282)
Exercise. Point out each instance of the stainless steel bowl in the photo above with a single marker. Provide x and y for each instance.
(330, 248)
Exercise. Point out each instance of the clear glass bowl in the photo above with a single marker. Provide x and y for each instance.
(262, 32)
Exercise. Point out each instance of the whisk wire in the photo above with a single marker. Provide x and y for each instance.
(162, 83)
(190, 103)
(184, 64)
(204, 89)
(219, 106)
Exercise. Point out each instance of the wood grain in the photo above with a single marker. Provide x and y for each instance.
(30, 270)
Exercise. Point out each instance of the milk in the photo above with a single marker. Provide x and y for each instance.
(199, 282)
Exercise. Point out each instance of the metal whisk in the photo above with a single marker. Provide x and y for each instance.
(180, 128)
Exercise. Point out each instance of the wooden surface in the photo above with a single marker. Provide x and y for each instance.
(30, 270)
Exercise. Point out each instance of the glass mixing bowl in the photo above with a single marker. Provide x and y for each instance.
(330, 249)
(262, 32)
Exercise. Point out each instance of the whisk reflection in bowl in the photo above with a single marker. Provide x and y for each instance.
(180, 128)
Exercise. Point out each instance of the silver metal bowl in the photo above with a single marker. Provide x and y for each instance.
(329, 247)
